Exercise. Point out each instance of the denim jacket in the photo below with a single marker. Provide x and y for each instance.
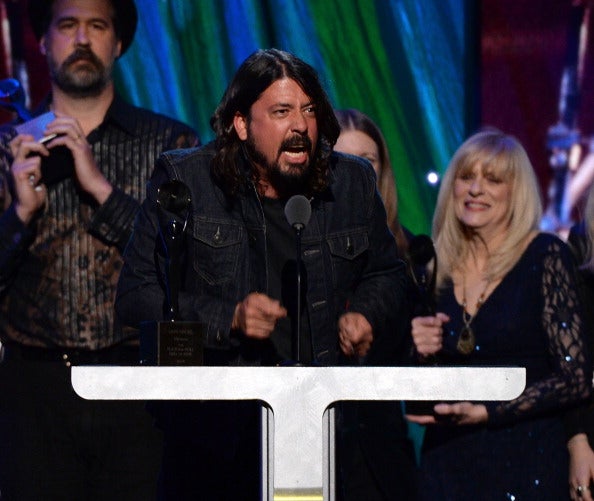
(348, 252)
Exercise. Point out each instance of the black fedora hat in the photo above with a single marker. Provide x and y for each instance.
(126, 18)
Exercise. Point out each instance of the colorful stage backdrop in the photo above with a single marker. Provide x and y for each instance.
(403, 62)
(429, 73)
(409, 65)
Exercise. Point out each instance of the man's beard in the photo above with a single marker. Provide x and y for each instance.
(89, 81)
(286, 183)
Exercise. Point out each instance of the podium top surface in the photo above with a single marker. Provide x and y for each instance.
(331, 383)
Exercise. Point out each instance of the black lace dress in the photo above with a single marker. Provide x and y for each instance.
(532, 319)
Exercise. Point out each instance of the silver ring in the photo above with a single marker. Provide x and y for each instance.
(580, 489)
(31, 179)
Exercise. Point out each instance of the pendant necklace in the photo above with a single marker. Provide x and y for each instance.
(466, 340)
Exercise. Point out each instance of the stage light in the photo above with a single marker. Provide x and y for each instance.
(433, 178)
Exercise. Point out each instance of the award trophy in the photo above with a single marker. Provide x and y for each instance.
(172, 342)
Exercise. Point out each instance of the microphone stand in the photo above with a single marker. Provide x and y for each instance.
(421, 254)
(297, 341)
(298, 212)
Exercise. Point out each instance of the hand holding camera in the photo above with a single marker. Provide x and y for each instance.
(56, 163)
(65, 153)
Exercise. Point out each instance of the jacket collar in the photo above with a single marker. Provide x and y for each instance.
(119, 113)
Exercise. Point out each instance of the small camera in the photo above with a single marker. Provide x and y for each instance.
(59, 165)
(36, 127)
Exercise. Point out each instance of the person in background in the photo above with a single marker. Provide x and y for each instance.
(275, 129)
(506, 297)
(360, 136)
(375, 456)
(67, 212)
(580, 421)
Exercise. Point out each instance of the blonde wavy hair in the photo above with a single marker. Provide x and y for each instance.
(504, 156)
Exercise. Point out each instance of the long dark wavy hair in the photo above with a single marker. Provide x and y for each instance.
(258, 72)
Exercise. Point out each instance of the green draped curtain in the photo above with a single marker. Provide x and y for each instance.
(403, 62)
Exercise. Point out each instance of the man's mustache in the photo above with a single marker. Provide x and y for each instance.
(82, 55)
(297, 142)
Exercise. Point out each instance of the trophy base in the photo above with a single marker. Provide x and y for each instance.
(172, 343)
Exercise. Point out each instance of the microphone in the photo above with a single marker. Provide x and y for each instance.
(421, 252)
(173, 202)
(298, 213)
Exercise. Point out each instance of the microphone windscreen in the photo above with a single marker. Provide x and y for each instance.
(298, 211)
(421, 250)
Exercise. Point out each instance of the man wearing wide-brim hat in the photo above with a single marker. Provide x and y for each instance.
(75, 188)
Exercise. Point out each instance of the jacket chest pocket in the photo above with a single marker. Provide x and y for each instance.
(216, 251)
(348, 252)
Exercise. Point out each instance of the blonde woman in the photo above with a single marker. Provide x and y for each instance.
(506, 297)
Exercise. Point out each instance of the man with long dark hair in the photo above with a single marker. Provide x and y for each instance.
(275, 131)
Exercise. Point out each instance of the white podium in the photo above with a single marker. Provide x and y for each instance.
(299, 438)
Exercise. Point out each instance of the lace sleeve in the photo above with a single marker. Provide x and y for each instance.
(562, 322)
